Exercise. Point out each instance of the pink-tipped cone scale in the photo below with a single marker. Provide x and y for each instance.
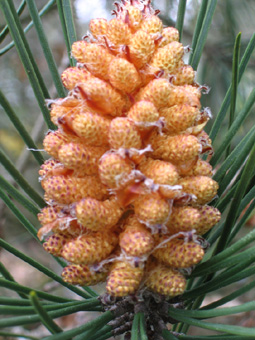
(127, 188)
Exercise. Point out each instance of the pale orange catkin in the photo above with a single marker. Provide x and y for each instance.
(55, 243)
(124, 279)
(152, 209)
(96, 215)
(166, 281)
(82, 275)
(136, 240)
(90, 248)
(178, 253)
(126, 187)
(114, 170)
(160, 171)
(80, 157)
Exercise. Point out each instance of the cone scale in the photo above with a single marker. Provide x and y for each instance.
(126, 184)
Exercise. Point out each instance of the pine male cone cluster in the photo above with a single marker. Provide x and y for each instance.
(126, 187)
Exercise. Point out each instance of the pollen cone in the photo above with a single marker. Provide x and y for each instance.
(125, 174)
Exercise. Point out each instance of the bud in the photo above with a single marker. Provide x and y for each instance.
(98, 27)
(123, 134)
(114, 170)
(81, 275)
(178, 118)
(141, 48)
(68, 189)
(184, 75)
(166, 281)
(161, 172)
(118, 33)
(176, 149)
(102, 96)
(97, 59)
(65, 225)
(184, 218)
(49, 167)
(168, 35)
(152, 209)
(80, 157)
(166, 58)
(92, 128)
(55, 243)
(133, 16)
(157, 92)
(136, 240)
(209, 217)
(142, 113)
(186, 94)
(58, 111)
(78, 50)
(178, 253)
(62, 107)
(73, 76)
(201, 168)
(203, 187)
(58, 220)
(89, 249)
(123, 75)
(123, 279)
(53, 141)
(152, 25)
(49, 214)
(96, 215)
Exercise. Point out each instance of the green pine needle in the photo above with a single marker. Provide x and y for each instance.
(44, 316)
(26, 56)
(180, 17)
